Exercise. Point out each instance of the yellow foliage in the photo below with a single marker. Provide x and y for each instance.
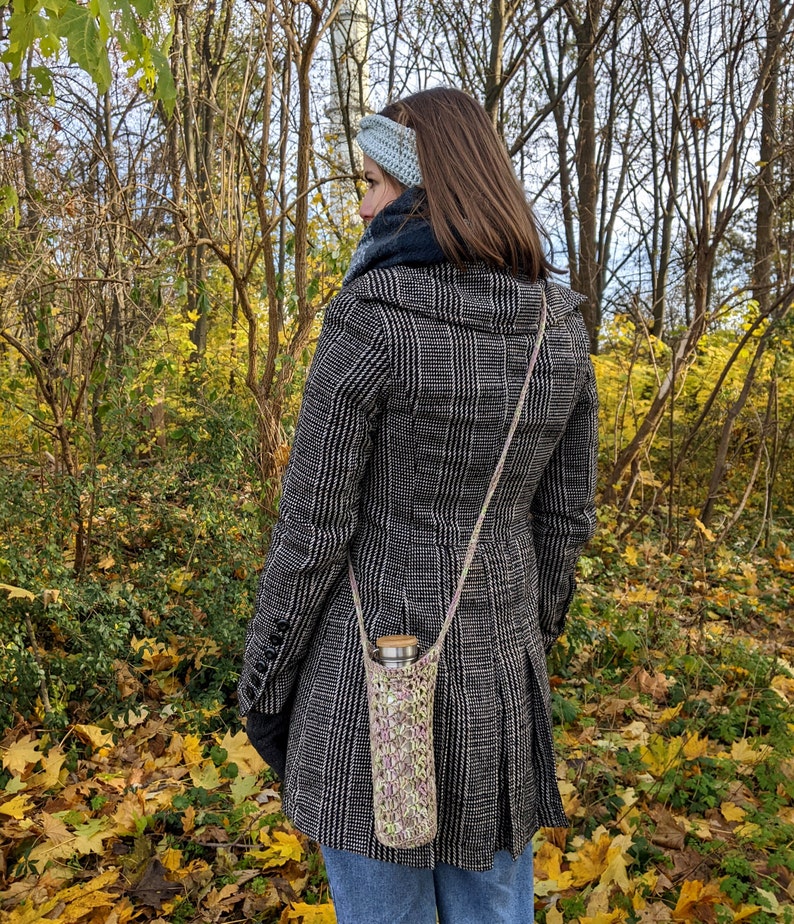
(311, 914)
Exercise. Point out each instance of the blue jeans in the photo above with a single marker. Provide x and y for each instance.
(368, 891)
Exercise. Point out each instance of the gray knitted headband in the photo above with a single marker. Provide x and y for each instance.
(392, 146)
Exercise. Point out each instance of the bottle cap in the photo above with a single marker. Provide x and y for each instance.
(398, 646)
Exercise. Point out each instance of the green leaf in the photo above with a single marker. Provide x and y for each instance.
(9, 201)
(85, 45)
(165, 88)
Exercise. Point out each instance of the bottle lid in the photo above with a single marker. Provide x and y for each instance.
(398, 646)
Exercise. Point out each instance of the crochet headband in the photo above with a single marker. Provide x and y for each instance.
(392, 146)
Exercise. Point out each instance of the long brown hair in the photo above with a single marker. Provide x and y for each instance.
(475, 203)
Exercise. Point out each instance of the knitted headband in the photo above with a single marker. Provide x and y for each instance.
(392, 146)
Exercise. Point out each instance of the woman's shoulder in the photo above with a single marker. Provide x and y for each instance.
(475, 295)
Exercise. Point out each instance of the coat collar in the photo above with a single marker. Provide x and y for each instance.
(477, 296)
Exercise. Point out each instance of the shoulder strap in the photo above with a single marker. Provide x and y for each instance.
(495, 478)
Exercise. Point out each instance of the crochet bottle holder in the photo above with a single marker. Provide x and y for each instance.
(401, 744)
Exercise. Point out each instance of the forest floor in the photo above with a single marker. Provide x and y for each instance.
(673, 692)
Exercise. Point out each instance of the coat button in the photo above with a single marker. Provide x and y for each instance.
(282, 624)
(270, 654)
(260, 667)
(276, 639)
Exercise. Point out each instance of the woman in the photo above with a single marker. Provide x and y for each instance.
(416, 377)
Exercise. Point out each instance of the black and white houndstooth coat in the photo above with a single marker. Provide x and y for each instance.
(409, 397)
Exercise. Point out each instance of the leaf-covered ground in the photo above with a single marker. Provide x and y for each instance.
(673, 692)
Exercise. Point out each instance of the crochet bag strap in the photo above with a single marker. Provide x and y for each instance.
(495, 478)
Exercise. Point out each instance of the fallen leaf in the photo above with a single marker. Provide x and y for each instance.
(732, 812)
(17, 807)
(312, 914)
(21, 755)
(696, 902)
(241, 752)
(17, 593)
(153, 888)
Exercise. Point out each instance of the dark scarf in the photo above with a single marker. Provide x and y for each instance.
(396, 237)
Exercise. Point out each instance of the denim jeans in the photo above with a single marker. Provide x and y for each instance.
(368, 891)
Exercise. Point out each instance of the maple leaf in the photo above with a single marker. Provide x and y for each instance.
(745, 752)
(51, 766)
(19, 593)
(732, 812)
(21, 755)
(90, 835)
(656, 685)
(205, 776)
(549, 876)
(18, 807)
(242, 788)
(613, 917)
(617, 864)
(279, 848)
(696, 902)
(631, 556)
(153, 888)
(695, 746)
(311, 914)
(554, 916)
(589, 862)
(59, 843)
(100, 740)
(241, 752)
(660, 756)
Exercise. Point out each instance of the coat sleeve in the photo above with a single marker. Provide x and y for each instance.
(563, 509)
(344, 396)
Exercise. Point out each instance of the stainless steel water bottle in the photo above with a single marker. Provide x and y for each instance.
(397, 650)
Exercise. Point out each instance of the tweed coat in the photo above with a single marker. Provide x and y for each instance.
(415, 379)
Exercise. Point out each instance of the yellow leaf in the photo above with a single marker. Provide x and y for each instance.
(100, 740)
(667, 715)
(188, 749)
(242, 753)
(748, 829)
(18, 593)
(641, 595)
(784, 687)
(129, 812)
(732, 812)
(206, 776)
(51, 766)
(21, 755)
(17, 807)
(282, 847)
(172, 859)
(106, 563)
(554, 916)
(705, 530)
(744, 751)
(180, 579)
(616, 870)
(604, 917)
(745, 911)
(549, 876)
(631, 555)
(548, 861)
(661, 756)
(311, 914)
(588, 863)
(694, 895)
(695, 746)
